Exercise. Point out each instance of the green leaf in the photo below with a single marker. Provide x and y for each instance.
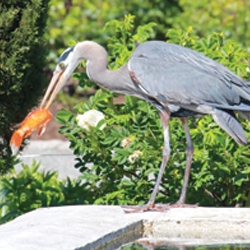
(63, 116)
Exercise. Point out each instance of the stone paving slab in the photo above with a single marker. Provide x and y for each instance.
(107, 227)
(68, 227)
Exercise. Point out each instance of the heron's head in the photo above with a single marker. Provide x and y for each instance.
(67, 63)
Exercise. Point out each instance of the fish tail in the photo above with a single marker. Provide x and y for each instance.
(16, 141)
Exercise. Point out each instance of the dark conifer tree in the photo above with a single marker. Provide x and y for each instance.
(22, 61)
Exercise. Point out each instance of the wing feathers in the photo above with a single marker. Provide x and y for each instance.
(230, 124)
(181, 76)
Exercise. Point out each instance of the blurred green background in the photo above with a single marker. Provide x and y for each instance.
(80, 20)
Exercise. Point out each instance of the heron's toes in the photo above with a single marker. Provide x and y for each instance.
(183, 205)
(156, 207)
(145, 208)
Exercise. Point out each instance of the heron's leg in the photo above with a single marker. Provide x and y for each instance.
(189, 157)
(164, 115)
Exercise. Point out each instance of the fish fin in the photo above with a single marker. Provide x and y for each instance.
(42, 130)
(43, 127)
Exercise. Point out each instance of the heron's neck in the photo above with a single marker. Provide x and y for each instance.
(115, 80)
(97, 68)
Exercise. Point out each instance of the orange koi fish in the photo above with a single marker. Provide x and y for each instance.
(36, 119)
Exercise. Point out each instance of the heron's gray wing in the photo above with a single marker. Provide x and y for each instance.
(177, 75)
(179, 83)
(174, 75)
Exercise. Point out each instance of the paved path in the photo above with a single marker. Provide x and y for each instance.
(107, 227)
(52, 154)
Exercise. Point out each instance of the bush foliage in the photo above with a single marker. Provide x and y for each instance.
(31, 188)
(80, 20)
(207, 16)
(220, 174)
(84, 20)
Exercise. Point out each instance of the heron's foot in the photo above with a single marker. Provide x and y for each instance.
(182, 205)
(156, 207)
(146, 208)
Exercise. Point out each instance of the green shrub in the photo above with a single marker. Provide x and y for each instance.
(22, 52)
(30, 189)
(206, 16)
(84, 19)
(126, 174)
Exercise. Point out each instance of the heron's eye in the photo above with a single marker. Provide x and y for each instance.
(62, 65)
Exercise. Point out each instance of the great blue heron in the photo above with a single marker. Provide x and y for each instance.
(178, 81)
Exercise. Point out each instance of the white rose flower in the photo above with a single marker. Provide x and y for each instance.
(90, 118)
(125, 142)
(136, 154)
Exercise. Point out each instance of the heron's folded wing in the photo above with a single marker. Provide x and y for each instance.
(181, 75)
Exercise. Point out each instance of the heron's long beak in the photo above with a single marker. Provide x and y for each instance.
(54, 87)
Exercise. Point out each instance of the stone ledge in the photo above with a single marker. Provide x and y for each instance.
(107, 227)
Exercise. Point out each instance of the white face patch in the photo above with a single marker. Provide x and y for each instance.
(64, 60)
